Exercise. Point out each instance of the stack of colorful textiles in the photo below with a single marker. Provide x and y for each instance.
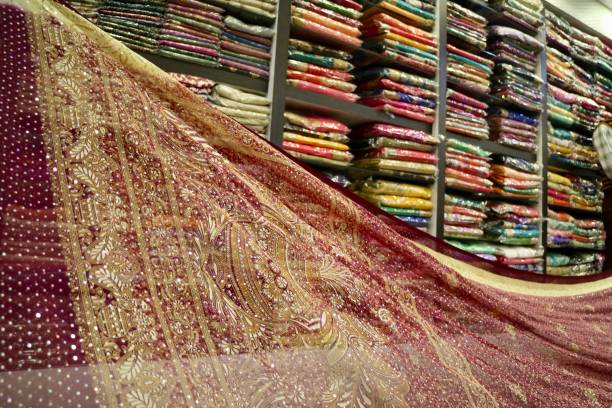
(200, 86)
(466, 115)
(397, 93)
(558, 32)
(408, 202)
(469, 72)
(87, 8)
(138, 25)
(526, 13)
(603, 94)
(331, 19)
(516, 225)
(516, 178)
(464, 218)
(402, 43)
(512, 128)
(246, 48)
(467, 28)
(468, 167)
(514, 80)
(320, 69)
(517, 257)
(420, 14)
(571, 191)
(567, 109)
(571, 149)
(250, 109)
(317, 140)
(574, 263)
(563, 72)
(394, 150)
(566, 231)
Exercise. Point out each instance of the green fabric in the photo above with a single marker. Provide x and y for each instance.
(188, 56)
(349, 12)
(406, 212)
(194, 23)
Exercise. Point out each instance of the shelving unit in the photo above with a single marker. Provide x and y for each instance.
(353, 114)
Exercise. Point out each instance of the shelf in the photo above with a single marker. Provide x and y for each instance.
(576, 211)
(554, 164)
(350, 113)
(214, 74)
(493, 147)
(490, 196)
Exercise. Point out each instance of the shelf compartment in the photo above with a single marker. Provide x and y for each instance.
(214, 74)
(555, 165)
(490, 196)
(350, 113)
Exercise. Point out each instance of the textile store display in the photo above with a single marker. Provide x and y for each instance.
(516, 226)
(527, 13)
(192, 261)
(464, 219)
(569, 110)
(466, 115)
(417, 13)
(516, 178)
(514, 80)
(317, 140)
(571, 191)
(192, 31)
(571, 149)
(466, 26)
(247, 108)
(513, 128)
(469, 72)
(468, 167)
(404, 44)
(408, 202)
(320, 69)
(395, 150)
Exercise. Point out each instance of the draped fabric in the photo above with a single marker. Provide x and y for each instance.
(156, 253)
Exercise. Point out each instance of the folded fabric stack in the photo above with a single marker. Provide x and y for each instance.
(246, 48)
(466, 115)
(417, 13)
(571, 191)
(558, 32)
(320, 69)
(250, 109)
(400, 42)
(514, 80)
(574, 264)
(567, 109)
(513, 128)
(517, 257)
(564, 73)
(515, 225)
(573, 149)
(138, 25)
(468, 71)
(467, 29)
(464, 218)
(603, 94)
(395, 150)
(516, 178)
(528, 14)
(258, 8)
(87, 8)
(397, 93)
(566, 231)
(468, 167)
(200, 86)
(408, 202)
(331, 19)
(317, 140)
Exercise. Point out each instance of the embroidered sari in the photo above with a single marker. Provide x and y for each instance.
(156, 253)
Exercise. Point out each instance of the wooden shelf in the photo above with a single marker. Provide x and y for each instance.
(493, 147)
(214, 74)
(350, 113)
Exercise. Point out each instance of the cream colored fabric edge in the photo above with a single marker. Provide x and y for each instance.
(522, 287)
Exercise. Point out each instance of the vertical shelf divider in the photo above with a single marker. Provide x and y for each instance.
(542, 159)
(277, 83)
(439, 125)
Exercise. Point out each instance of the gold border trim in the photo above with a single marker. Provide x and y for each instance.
(513, 285)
